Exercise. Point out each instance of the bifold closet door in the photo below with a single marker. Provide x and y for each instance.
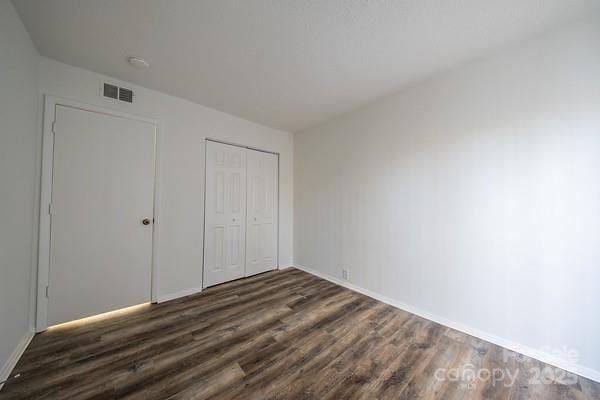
(225, 213)
(261, 234)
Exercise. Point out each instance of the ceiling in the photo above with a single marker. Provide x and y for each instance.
(289, 64)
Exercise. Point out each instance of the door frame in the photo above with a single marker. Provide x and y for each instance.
(43, 267)
(208, 139)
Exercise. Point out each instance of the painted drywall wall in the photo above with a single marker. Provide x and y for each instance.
(183, 128)
(18, 126)
(474, 197)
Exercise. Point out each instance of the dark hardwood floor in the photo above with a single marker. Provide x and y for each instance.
(280, 335)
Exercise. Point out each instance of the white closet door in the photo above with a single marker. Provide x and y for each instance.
(261, 238)
(225, 218)
(102, 190)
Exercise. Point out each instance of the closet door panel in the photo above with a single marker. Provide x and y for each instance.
(225, 213)
(262, 212)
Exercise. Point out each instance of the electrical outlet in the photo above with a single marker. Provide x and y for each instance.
(345, 274)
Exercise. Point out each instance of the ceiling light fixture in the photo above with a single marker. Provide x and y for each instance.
(138, 62)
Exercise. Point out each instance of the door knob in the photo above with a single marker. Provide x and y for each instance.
(146, 221)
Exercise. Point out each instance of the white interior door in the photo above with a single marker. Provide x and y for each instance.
(102, 190)
(225, 213)
(261, 238)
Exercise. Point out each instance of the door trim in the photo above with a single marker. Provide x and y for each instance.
(43, 267)
(241, 145)
(208, 139)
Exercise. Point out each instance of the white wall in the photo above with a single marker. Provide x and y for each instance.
(18, 126)
(183, 129)
(474, 197)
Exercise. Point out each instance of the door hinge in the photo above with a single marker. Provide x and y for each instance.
(48, 291)
(53, 127)
(50, 208)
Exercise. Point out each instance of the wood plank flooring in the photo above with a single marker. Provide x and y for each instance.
(280, 335)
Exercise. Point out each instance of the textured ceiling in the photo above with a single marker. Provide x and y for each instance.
(289, 64)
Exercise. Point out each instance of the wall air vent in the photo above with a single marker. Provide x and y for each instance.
(117, 93)
(126, 95)
(111, 91)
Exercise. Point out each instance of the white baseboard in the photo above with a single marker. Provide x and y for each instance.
(14, 357)
(544, 357)
(171, 296)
